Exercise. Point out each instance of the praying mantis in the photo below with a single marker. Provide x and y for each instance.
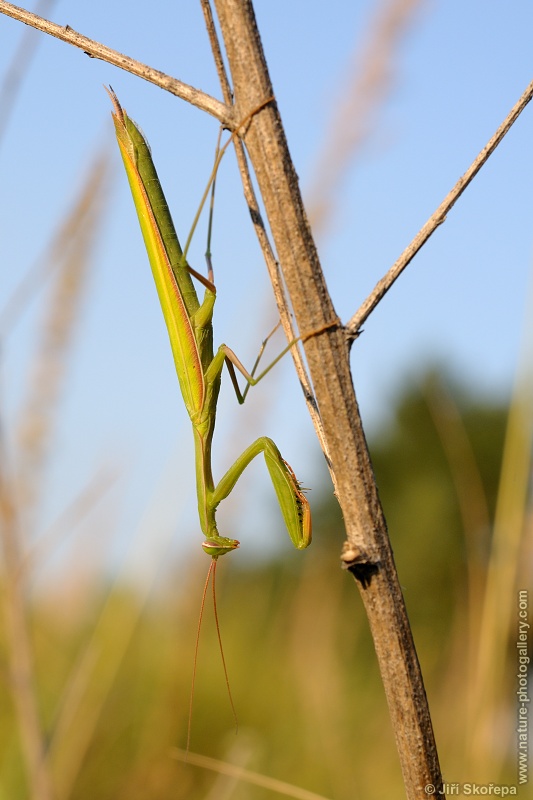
(199, 368)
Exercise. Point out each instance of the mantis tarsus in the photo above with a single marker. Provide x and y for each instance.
(199, 369)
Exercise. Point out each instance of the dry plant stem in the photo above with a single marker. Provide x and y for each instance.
(497, 622)
(368, 554)
(436, 219)
(47, 375)
(475, 516)
(17, 505)
(365, 83)
(217, 52)
(245, 775)
(276, 279)
(274, 271)
(96, 50)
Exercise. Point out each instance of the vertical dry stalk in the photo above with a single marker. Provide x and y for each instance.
(475, 516)
(272, 265)
(20, 649)
(95, 672)
(18, 496)
(368, 554)
(490, 689)
(311, 621)
(88, 688)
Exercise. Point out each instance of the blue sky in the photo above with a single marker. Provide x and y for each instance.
(462, 302)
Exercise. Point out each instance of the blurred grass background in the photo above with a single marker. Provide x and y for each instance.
(113, 667)
(96, 667)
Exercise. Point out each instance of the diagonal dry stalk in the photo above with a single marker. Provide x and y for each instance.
(70, 259)
(437, 218)
(371, 75)
(96, 50)
(245, 775)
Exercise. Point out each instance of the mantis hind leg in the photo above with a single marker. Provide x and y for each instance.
(292, 501)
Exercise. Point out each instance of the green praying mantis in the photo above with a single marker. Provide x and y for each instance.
(198, 367)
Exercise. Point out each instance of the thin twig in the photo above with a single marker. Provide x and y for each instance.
(217, 52)
(436, 219)
(94, 49)
(280, 295)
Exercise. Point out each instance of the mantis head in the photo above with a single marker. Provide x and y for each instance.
(219, 546)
